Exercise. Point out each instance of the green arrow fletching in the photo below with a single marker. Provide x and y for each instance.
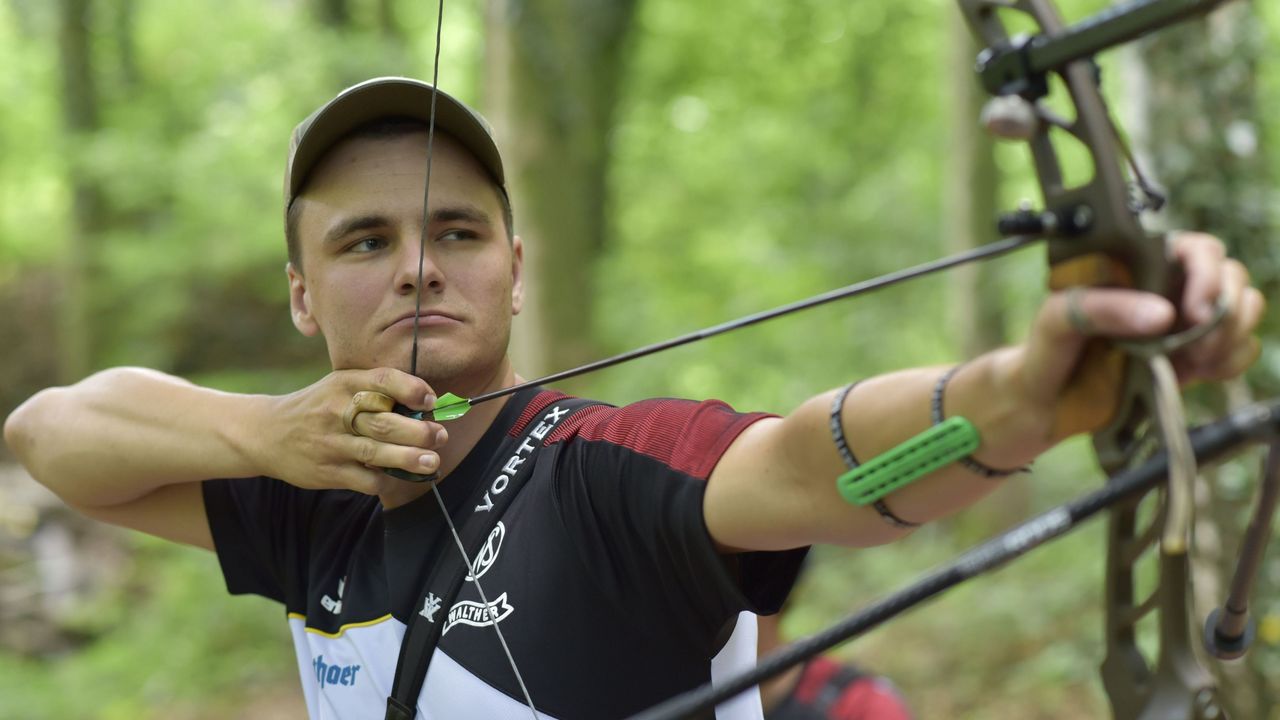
(450, 407)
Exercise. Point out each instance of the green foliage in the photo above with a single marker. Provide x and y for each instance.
(764, 151)
(169, 636)
(759, 163)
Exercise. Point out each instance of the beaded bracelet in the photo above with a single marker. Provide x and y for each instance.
(967, 461)
(842, 445)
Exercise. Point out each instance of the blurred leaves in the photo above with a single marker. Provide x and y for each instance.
(764, 152)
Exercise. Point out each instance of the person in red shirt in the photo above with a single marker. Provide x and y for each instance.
(824, 688)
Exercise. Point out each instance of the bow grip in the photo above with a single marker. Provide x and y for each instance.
(1103, 367)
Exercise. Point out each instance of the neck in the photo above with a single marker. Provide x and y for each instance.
(464, 433)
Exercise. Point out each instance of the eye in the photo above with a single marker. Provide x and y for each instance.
(459, 234)
(367, 244)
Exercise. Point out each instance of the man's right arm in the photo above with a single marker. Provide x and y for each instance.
(130, 446)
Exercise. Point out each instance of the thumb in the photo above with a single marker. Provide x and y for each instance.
(1108, 312)
(1068, 370)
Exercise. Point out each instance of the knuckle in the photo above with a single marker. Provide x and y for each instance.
(430, 435)
(378, 425)
(347, 381)
(366, 451)
(381, 377)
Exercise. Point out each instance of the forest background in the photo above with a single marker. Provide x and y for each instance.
(674, 164)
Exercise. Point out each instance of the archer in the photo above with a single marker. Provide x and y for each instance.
(618, 545)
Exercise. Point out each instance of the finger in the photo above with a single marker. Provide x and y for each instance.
(407, 389)
(365, 401)
(1237, 350)
(390, 427)
(1252, 307)
(1242, 355)
(1106, 312)
(371, 453)
(1242, 359)
(1201, 257)
(1243, 315)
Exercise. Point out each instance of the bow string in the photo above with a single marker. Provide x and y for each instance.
(448, 399)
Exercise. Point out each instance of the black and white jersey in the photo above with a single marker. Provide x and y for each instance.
(600, 573)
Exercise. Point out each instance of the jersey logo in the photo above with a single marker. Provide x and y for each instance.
(466, 612)
(327, 674)
(430, 606)
(488, 552)
(522, 453)
(334, 606)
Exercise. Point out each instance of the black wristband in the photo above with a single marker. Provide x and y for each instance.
(846, 453)
(968, 463)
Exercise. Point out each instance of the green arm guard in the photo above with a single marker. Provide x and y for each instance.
(940, 445)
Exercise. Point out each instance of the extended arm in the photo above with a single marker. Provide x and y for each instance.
(775, 486)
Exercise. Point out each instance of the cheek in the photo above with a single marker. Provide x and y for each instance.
(344, 300)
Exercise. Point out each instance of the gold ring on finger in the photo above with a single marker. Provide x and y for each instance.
(362, 402)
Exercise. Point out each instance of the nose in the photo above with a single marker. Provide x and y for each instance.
(417, 267)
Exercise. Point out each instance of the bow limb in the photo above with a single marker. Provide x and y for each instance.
(1095, 239)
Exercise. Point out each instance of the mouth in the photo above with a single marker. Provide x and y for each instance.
(428, 318)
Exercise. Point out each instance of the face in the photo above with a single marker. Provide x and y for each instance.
(359, 231)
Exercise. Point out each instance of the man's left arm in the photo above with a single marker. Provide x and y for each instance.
(774, 488)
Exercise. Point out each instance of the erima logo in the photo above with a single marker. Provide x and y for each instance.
(488, 552)
(334, 606)
(466, 612)
(334, 674)
(522, 454)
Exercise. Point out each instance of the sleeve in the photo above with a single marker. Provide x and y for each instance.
(631, 481)
(261, 529)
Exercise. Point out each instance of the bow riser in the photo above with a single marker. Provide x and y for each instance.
(1098, 240)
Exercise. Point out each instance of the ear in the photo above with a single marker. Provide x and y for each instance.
(300, 303)
(517, 275)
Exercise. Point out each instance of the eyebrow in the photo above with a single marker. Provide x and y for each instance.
(355, 224)
(454, 213)
(463, 213)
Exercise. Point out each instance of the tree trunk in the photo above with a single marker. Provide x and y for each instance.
(80, 118)
(126, 46)
(333, 13)
(977, 310)
(388, 24)
(977, 305)
(552, 71)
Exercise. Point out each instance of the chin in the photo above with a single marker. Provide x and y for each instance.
(463, 376)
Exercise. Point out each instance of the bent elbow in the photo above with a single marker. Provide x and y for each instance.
(22, 428)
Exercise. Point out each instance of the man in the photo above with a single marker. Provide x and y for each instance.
(616, 574)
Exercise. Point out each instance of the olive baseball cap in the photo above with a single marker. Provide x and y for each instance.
(385, 97)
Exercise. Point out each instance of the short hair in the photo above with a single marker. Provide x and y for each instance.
(388, 128)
